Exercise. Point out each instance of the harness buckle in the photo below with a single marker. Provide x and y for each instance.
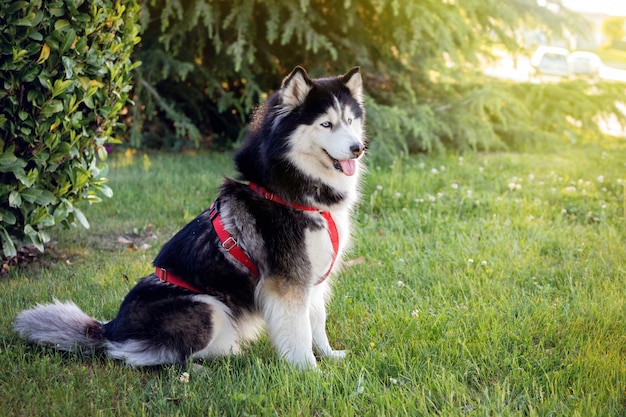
(229, 244)
(163, 276)
(214, 210)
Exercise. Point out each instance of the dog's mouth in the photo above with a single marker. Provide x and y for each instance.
(346, 166)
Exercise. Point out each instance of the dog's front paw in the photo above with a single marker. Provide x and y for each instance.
(302, 362)
(336, 354)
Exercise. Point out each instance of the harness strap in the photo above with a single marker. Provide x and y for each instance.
(228, 241)
(165, 276)
(334, 239)
(262, 191)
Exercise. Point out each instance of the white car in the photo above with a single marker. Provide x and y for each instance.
(586, 64)
(550, 61)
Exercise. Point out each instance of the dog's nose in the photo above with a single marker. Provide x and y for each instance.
(357, 149)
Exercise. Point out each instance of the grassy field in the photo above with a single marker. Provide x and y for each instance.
(482, 285)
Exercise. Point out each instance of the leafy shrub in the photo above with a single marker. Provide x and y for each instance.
(66, 73)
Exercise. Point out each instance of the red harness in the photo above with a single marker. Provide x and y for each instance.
(231, 246)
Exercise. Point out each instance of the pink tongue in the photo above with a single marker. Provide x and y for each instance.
(348, 166)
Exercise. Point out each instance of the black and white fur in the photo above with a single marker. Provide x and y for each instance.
(306, 146)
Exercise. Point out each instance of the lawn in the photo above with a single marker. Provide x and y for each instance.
(482, 284)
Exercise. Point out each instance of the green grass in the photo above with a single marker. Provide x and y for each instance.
(493, 284)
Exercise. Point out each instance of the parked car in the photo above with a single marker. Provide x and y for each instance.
(585, 64)
(550, 61)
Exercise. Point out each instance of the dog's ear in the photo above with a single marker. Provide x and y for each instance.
(295, 88)
(352, 79)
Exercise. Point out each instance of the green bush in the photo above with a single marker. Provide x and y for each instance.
(65, 69)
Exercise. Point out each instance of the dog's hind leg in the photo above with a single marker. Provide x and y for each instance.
(285, 309)
(318, 323)
(224, 336)
(150, 332)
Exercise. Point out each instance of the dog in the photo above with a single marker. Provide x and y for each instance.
(260, 258)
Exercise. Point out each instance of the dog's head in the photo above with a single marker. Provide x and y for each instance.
(326, 116)
(307, 141)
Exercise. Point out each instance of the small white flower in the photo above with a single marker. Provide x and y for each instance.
(415, 313)
(483, 263)
(393, 381)
(454, 186)
(470, 260)
(432, 198)
(400, 283)
(600, 178)
(379, 187)
(184, 378)
(397, 195)
(563, 211)
(434, 171)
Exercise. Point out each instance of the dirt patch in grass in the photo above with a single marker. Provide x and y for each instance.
(31, 256)
(136, 240)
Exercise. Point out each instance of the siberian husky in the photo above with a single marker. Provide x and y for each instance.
(262, 256)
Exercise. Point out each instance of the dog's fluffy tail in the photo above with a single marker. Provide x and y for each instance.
(63, 325)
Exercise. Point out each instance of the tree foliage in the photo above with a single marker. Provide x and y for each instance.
(207, 63)
(613, 29)
(66, 77)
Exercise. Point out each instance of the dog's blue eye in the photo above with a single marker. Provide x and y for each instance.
(327, 125)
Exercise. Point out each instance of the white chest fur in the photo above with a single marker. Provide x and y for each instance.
(319, 246)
